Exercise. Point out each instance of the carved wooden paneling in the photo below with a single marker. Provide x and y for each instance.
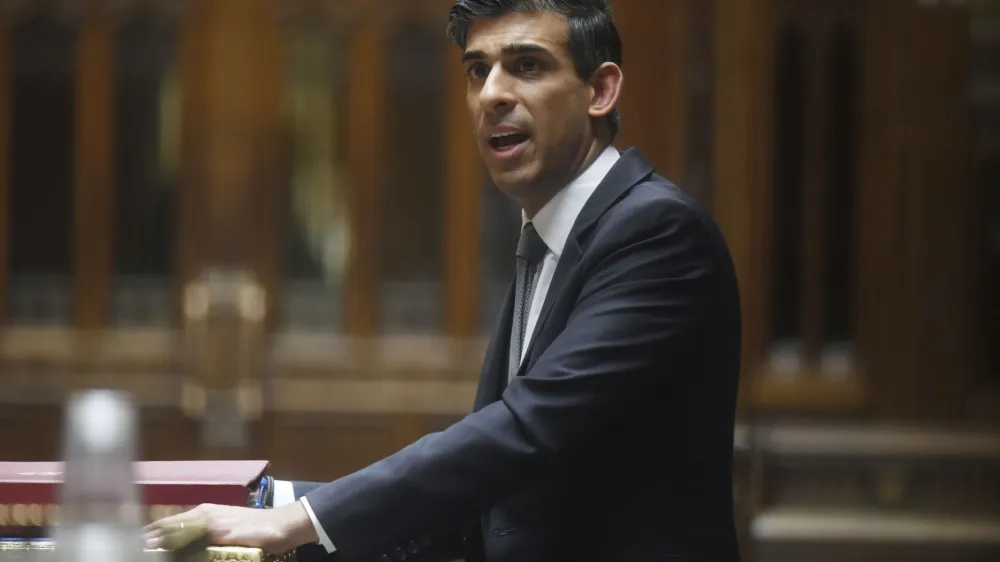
(810, 311)
(908, 316)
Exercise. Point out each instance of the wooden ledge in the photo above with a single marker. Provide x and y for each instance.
(303, 354)
(807, 392)
(870, 526)
(877, 441)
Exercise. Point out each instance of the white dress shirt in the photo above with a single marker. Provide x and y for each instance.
(553, 222)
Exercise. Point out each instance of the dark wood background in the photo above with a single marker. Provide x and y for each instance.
(848, 148)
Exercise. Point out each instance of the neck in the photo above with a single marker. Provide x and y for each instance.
(543, 196)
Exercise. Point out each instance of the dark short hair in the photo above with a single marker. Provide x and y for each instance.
(593, 38)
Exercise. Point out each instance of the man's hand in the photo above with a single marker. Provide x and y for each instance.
(275, 530)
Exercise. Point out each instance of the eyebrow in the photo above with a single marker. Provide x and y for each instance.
(507, 50)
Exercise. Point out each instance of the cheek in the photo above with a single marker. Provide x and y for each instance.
(472, 107)
(562, 119)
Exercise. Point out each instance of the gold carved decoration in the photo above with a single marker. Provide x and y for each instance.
(224, 341)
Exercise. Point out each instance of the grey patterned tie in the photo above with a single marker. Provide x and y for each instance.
(530, 251)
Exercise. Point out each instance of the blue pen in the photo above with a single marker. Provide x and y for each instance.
(262, 494)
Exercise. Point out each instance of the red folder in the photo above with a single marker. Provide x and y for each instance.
(29, 490)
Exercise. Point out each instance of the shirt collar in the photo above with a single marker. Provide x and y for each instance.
(555, 220)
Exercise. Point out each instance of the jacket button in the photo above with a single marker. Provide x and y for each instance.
(413, 547)
(400, 554)
(384, 558)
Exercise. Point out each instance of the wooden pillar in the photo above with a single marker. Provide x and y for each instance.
(654, 105)
(814, 174)
(640, 25)
(366, 154)
(984, 319)
(6, 116)
(231, 72)
(884, 113)
(743, 158)
(94, 165)
(191, 217)
(678, 19)
(266, 187)
(938, 212)
(463, 198)
(884, 161)
(915, 203)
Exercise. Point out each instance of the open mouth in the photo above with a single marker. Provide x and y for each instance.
(507, 141)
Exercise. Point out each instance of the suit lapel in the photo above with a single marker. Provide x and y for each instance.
(629, 170)
(567, 263)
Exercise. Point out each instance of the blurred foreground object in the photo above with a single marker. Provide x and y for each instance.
(101, 508)
(100, 511)
(224, 315)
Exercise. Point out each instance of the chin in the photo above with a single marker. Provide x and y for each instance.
(514, 182)
(515, 188)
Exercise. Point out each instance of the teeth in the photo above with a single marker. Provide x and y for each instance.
(504, 134)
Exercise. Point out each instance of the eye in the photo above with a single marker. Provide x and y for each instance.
(477, 70)
(528, 65)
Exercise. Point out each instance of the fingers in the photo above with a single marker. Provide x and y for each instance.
(176, 531)
(152, 537)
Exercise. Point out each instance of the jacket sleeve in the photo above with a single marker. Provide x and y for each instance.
(640, 304)
(302, 487)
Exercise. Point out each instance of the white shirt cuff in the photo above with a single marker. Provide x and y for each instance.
(323, 539)
(284, 494)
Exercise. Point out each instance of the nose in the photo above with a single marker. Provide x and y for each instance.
(497, 94)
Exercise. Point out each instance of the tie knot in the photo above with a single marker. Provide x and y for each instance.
(531, 246)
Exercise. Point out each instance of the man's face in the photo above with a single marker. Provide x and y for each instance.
(529, 108)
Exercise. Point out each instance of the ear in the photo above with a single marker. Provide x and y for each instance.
(606, 82)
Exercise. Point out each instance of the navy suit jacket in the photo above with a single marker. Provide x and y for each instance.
(615, 440)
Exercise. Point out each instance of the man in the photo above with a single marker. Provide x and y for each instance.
(602, 428)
